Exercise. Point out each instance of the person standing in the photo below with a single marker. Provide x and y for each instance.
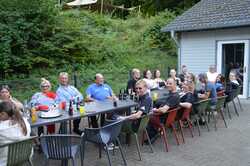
(212, 74)
(66, 93)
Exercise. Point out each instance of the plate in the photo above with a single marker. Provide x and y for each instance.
(50, 114)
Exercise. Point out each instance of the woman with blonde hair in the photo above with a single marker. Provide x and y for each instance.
(44, 100)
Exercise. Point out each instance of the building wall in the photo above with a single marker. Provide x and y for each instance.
(198, 49)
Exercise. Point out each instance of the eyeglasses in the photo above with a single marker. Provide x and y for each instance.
(45, 86)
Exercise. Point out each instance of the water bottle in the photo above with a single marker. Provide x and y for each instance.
(26, 111)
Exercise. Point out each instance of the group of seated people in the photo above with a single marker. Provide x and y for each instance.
(183, 90)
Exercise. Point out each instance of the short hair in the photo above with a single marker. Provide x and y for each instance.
(63, 74)
(183, 66)
(172, 79)
(45, 82)
(232, 73)
(141, 82)
(135, 70)
(5, 87)
(98, 75)
(172, 70)
(202, 77)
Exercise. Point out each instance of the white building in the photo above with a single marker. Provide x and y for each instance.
(214, 32)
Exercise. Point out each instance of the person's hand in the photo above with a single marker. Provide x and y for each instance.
(156, 111)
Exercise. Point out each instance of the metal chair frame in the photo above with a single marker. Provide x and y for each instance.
(201, 107)
(103, 136)
(19, 152)
(62, 147)
(128, 129)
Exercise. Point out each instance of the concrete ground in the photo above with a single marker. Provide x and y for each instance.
(224, 147)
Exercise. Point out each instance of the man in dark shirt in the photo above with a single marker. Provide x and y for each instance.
(172, 101)
(131, 83)
(144, 104)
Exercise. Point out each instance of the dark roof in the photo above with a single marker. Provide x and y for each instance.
(212, 14)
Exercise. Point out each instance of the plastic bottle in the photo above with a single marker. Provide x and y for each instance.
(33, 115)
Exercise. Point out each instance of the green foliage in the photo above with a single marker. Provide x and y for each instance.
(44, 40)
(24, 25)
(153, 7)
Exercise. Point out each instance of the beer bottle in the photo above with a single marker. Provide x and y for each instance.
(71, 108)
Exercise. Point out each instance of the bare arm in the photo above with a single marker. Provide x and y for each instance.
(163, 109)
(136, 115)
(89, 98)
(186, 105)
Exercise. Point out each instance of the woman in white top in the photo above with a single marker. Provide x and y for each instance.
(147, 77)
(157, 78)
(13, 127)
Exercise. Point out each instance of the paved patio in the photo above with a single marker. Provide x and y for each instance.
(224, 147)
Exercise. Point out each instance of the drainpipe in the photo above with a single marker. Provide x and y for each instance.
(173, 36)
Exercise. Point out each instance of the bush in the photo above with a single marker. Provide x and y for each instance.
(54, 41)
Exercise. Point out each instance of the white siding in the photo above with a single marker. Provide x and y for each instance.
(198, 48)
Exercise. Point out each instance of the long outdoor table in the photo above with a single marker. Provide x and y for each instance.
(92, 108)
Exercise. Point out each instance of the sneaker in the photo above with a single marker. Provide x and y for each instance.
(185, 124)
(111, 146)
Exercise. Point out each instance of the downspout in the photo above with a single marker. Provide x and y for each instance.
(173, 36)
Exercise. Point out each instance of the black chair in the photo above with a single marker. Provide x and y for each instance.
(104, 136)
(19, 152)
(237, 93)
(199, 109)
(220, 109)
(62, 147)
(128, 128)
(230, 99)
